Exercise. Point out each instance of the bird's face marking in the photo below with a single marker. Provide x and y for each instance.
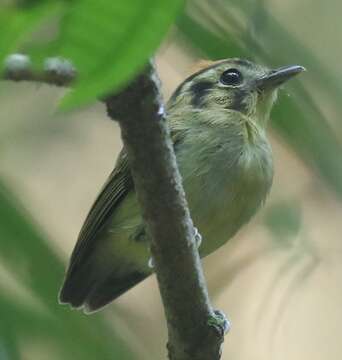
(235, 84)
(199, 91)
(229, 84)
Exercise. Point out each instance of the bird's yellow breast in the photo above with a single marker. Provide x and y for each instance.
(229, 185)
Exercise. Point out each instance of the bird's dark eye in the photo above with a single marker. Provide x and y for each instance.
(231, 77)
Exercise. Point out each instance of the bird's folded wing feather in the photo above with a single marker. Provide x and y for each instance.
(115, 189)
(118, 185)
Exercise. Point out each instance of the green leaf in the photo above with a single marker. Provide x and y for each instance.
(36, 268)
(17, 23)
(109, 41)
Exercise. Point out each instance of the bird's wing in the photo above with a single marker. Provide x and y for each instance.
(117, 186)
(84, 283)
(83, 276)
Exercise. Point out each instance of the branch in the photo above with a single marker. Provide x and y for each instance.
(145, 134)
(195, 330)
(56, 71)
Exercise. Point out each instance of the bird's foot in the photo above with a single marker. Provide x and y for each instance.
(198, 241)
(197, 237)
(220, 322)
(150, 263)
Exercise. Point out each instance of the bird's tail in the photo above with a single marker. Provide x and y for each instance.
(88, 288)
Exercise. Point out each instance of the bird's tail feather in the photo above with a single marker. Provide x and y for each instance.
(83, 287)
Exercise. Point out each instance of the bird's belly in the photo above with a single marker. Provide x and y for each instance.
(220, 208)
(218, 225)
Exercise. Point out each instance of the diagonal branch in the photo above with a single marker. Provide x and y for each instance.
(195, 331)
(56, 71)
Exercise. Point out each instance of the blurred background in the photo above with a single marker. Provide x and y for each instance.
(278, 280)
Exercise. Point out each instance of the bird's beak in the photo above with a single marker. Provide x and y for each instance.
(277, 77)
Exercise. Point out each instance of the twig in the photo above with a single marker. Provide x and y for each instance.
(56, 71)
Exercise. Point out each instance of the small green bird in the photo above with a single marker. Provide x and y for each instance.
(218, 119)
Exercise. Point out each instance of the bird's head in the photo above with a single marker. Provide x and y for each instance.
(234, 84)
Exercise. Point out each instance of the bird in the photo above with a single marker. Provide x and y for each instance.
(218, 119)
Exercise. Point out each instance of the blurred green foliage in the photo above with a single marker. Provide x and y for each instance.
(37, 269)
(127, 33)
(109, 30)
(17, 23)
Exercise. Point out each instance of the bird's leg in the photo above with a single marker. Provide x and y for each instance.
(198, 241)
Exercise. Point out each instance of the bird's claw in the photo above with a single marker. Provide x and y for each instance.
(220, 322)
(197, 237)
(150, 263)
(198, 241)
